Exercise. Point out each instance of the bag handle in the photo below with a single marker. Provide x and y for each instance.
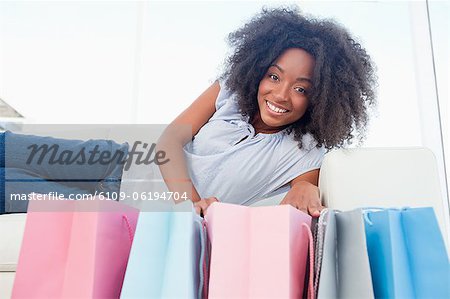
(130, 230)
(205, 259)
(311, 262)
(320, 235)
(202, 291)
(367, 210)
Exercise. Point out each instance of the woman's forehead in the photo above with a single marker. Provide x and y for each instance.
(295, 62)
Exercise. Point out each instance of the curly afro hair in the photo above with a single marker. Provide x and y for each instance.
(344, 78)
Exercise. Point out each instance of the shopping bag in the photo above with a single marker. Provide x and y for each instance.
(344, 270)
(258, 252)
(74, 249)
(166, 259)
(408, 258)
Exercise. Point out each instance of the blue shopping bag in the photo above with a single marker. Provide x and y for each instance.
(407, 254)
(428, 258)
(166, 259)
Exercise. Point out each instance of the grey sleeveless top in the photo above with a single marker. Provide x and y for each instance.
(223, 164)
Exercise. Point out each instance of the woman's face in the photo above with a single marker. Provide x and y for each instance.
(283, 91)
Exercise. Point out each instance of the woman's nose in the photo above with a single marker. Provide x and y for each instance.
(281, 93)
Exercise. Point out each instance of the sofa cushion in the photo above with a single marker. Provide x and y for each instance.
(12, 227)
(6, 283)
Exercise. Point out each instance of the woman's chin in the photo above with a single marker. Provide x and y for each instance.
(273, 124)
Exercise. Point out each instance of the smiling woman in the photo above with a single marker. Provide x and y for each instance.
(293, 88)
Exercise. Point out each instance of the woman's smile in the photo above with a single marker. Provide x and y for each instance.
(276, 109)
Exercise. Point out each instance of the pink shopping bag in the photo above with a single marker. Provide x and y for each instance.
(258, 252)
(74, 249)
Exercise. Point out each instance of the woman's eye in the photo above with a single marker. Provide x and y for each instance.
(300, 89)
(273, 77)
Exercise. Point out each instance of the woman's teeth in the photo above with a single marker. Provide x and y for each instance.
(275, 109)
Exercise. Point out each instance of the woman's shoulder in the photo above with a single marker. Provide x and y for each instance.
(226, 103)
(225, 94)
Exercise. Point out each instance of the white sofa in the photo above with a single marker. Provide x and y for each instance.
(11, 227)
(348, 179)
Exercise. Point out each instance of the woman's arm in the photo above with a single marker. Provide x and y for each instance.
(180, 132)
(304, 194)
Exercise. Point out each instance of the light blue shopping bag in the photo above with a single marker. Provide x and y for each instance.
(407, 255)
(166, 259)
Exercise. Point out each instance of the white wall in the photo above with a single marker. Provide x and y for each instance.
(439, 12)
(68, 62)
